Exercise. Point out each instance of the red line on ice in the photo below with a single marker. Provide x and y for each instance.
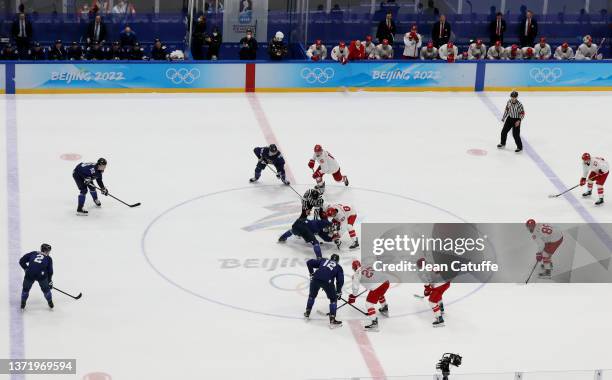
(367, 351)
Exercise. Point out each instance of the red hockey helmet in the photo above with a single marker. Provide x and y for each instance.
(331, 212)
(529, 51)
(356, 264)
(342, 44)
(586, 157)
(542, 39)
(430, 45)
(318, 42)
(514, 47)
(565, 45)
(498, 43)
(318, 148)
(385, 42)
(478, 42)
(450, 45)
(369, 38)
(530, 224)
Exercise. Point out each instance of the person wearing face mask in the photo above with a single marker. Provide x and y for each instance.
(248, 46)
(213, 41)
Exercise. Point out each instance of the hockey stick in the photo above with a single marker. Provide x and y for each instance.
(115, 198)
(69, 295)
(531, 274)
(571, 188)
(344, 304)
(419, 296)
(353, 306)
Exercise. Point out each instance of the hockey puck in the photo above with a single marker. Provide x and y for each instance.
(70, 156)
(477, 152)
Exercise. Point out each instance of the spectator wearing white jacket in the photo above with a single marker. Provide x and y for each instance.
(412, 44)
(340, 53)
(496, 51)
(317, 51)
(542, 50)
(429, 52)
(564, 52)
(448, 52)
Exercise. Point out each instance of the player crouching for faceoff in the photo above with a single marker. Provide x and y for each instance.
(327, 165)
(84, 174)
(434, 291)
(376, 294)
(323, 272)
(38, 267)
(343, 216)
(309, 229)
(595, 169)
(269, 155)
(548, 239)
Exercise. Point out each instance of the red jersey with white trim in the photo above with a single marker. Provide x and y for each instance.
(327, 162)
(545, 233)
(597, 164)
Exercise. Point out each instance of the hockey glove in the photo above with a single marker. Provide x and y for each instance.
(104, 191)
(427, 290)
(311, 164)
(539, 257)
(352, 299)
(582, 181)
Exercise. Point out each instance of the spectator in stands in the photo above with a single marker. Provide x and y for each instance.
(123, 8)
(527, 53)
(497, 28)
(384, 50)
(95, 52)
(412, 44)
(564, 52)
(96, 31)
(214, 44)
(440, 32)
(477, 50)
(528, 30)
(74, 52)
(197, 39)
(277, 49)
(21, 31)
(356, 51)
(9, 53)
(317, 51)
(431, 9)
(496, 51)
(57, 52)
(37, 52)
(448, 52)
(127, 37)
(248, 46)
(513, 53)
(587, 50)
(340, 53)
(429, 52)
(159, 52)
(115, 53)
(542, 50)
(386, 29)
(370, 48)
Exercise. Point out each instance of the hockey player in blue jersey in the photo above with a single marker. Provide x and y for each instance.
(38, 267)
(323, 272)
(84, 174)
(307, 229)
(269, 155)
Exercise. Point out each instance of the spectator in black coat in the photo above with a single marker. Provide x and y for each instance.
(74, 52)
(277, 50)
(96, 31)
(96, 52)
(127, 37)
(528, 30)
(197, 38)
(21, 31)
(159, 51)
(57, 52)
(440, 32)
(115, 53)
(248, 46)
(9, 53)
(386, 29)
(37, 52)
(497, 28)
(138, 53)
(213, 41)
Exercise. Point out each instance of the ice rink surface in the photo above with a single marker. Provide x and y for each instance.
(192, 284)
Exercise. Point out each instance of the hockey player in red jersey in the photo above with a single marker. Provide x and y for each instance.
(434, 290)
(344, 216)
(327, 165)
(548, 238)
(595, 169)
(377, 286)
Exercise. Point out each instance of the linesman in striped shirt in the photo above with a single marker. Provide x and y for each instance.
(513, 117)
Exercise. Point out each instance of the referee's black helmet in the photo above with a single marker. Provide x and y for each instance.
(514, 94)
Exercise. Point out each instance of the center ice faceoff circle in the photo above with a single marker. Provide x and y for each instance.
(229, 255)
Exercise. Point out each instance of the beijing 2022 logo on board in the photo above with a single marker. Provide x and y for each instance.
(545, 74)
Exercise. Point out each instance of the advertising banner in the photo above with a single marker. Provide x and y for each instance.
(240, 15)
(390, 75)
(132, 77)
(550, 74)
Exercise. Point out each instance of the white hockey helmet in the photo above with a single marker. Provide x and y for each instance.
(279, 36)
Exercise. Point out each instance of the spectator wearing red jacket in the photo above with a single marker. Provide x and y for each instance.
(356, 51)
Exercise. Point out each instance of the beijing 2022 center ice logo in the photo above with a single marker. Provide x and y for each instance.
(317, 75)
(183, 76)
(545, 74)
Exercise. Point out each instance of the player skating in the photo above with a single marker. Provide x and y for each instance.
(434, 290)
(269, 155)
(309, 229)
(327, 165)
(595, 169)
(344, 216)
(84, 174)
(548, 238)
(312, 200)
(323, 273)
(377, 287)
(38, 267)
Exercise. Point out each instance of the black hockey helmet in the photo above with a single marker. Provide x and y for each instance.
(514, 94)
(335, 257)
(46, 248)
(273, 148)
(315, 193)
(101, 161)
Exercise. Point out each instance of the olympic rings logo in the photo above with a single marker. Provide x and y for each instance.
(545, 74)
(185, 76)
(317, 75)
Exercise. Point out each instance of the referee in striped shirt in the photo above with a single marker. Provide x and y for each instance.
(513, 116)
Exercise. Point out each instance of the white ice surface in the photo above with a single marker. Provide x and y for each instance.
(184, 287)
